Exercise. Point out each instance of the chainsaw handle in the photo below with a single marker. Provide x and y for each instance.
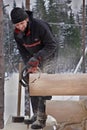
(25, 73)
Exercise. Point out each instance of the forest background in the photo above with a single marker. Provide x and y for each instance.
(66, 24)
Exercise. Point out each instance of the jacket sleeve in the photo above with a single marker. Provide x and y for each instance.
(48, 42)
(23, 52)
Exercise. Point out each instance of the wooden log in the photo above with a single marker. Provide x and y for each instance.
(58, 84)
(66, 111)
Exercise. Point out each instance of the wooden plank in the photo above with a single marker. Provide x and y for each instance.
(58, 84)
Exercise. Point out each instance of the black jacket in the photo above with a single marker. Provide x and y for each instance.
(37, 40)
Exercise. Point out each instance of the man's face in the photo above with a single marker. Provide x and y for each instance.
(22, 25)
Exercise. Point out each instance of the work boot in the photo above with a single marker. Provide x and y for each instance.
(30, 120)
(40, 122)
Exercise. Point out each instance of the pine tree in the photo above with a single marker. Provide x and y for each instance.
(72, 33)
(40, 10)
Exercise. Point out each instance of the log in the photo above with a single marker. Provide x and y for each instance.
(66, 111)
(58, 84)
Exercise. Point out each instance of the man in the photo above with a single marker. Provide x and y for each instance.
(36, 45)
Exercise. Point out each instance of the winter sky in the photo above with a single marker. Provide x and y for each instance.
(75, 4)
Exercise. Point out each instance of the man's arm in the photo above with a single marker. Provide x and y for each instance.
(48, 41)
(24, 54)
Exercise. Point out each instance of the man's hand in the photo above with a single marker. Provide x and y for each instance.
(33, 64)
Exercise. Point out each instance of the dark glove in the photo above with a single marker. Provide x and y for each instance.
(33, 65)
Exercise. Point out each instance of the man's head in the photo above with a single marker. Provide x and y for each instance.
(19, 18)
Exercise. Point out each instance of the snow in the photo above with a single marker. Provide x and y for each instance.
(11, 94)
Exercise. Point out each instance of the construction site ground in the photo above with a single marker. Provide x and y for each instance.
(65, 115)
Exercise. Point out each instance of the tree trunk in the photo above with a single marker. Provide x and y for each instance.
(27, 98)
(28, 4)
(1, 68)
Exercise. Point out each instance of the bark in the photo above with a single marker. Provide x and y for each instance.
(28, 4)
(1, 68)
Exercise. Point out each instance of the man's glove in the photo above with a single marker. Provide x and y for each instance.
(32, 65)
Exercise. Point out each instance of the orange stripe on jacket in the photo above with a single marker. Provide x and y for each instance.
(32, 45)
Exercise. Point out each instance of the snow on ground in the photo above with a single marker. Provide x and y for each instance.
(11, 93)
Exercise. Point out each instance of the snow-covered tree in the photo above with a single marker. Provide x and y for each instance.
(10, 49)
(40, 10)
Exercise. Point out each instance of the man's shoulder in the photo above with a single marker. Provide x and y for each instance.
(38, 21)
(41, 23)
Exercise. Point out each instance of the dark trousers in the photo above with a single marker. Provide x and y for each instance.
(38, 103)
